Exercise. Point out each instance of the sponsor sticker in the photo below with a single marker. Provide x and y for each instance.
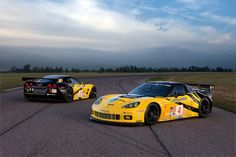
(179, 99)
(172, 111)
(54, 90)
(176, 111)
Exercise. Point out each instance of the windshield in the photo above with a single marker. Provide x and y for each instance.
(152, 89)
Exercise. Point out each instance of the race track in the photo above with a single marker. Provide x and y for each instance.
(32, 128)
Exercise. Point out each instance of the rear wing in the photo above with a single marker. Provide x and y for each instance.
(202, 89)
(29, 78)
(34, 78)
(202, 86)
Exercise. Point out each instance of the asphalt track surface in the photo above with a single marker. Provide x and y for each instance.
(33, 128)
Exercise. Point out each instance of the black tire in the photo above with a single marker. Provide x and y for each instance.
(93, 93)
(26, 96)
(29, 99)
(69, 95)
(204, 108)
(152, 114)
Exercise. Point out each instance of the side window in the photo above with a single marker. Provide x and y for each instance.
(67, 80)
(179, 90)
(71, 80)
(74, 81)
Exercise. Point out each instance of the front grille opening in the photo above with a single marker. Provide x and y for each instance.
(107, 116)
(128, 117)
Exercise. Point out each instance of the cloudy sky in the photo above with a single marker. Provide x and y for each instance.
(111, 33)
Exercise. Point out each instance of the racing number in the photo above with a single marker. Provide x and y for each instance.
(179, 110)
(80, 93)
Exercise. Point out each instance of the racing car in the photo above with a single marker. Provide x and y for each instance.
(153, 102)
(57, 87)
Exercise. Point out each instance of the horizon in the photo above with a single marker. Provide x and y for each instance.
(131, 68)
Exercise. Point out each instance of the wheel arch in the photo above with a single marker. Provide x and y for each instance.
(92, 89)
(156, 104)
(207, 97)
(210, 101)
(70, 88)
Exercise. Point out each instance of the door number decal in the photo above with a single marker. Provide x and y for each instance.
(176, 111)
(80, 94)
(179, 110)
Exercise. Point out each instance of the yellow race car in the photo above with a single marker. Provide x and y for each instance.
(154, 102)
(57, 87)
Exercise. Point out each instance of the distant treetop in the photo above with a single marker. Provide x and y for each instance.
(128, 69)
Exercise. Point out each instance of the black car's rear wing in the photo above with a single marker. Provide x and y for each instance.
(28, 78)
(34, 78)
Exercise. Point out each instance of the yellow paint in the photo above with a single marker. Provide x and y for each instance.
(171, 108)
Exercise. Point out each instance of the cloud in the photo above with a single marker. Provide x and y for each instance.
(89, 34)
(197, 4)
(179, 12)
(85, 24)
(220, 19)
(192, 2)
(77, 21)
(222, 39)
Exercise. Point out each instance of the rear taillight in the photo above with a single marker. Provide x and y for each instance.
(28, 85)
(54, 86)
(49, 86)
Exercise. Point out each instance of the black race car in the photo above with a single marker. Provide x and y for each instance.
(57, 87)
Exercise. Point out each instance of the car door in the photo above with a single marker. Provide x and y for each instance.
(77, 88)
(180, 103)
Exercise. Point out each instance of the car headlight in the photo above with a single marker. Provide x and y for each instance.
(131, 105)
(98, 101)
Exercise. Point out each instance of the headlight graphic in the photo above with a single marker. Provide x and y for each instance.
(131, 105)
(97, 102)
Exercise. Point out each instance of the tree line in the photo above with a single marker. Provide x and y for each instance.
(123, 69)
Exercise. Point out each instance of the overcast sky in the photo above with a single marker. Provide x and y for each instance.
(93, 33)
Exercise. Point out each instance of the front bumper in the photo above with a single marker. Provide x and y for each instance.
(121, 117)
(115, 122)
